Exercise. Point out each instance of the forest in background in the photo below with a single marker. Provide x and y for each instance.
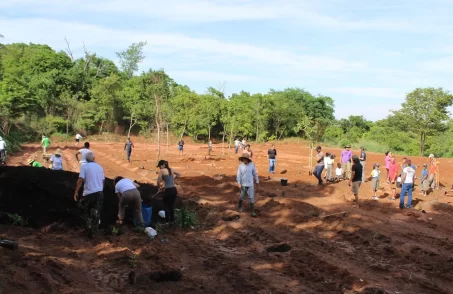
(47, 92)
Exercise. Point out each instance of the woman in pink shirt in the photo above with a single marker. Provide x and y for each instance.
(388, 156)
(393, 175)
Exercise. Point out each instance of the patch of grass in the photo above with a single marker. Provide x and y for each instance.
(14, 219)
(186, 218)
(133, 260)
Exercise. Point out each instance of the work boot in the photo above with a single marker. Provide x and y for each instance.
(252, 208)
(240, 206)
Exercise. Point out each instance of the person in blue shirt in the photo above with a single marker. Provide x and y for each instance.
(246, 177)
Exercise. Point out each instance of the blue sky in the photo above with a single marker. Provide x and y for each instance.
(366, 55)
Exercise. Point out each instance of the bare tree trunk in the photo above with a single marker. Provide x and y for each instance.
(257, 133)
(167, 139)
(209, 140)
(156, 99)
(131, 124)
(184, 129)
(231, 137)
(67, 122)
(223, 140)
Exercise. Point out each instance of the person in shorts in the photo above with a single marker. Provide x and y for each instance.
(356, 177)
(77, 139)
(181, 147)
(375, 178)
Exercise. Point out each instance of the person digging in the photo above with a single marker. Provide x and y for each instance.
(246, 176)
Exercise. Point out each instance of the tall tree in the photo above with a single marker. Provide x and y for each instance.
(131, 57)
(425, 112)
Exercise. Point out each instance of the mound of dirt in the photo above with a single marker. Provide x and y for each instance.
(42, 197)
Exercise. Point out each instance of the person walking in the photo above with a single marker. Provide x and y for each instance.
(56, 160)
(272, 157)
(83, 152)
(128, 195)
(330, 162)
(249, 151)
(166, 181)
(237, 143)
(78, 137)
(363, 163)
(92, 178)
(388, 157)
(346, 159)
(356, 178)
(246, 177)
(407, 179)
(319, 165)
(2, 151)
(45, 143)
(128, 148)
(181, 147)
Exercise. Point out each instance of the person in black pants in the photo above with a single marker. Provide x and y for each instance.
(166, 181)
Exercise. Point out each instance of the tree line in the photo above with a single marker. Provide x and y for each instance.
(46, 92)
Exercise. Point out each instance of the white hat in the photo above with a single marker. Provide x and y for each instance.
(431, 156)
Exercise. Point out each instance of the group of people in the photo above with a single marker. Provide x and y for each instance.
(93, 179)
(398, 176)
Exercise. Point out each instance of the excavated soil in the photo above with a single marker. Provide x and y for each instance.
(302, 241)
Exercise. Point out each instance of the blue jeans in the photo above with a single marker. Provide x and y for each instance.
(236, 150)
(250, 191)
(272, 165)
(406, 188)
(318, 172)
(3, 154)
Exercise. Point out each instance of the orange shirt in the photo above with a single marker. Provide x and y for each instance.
(432, 167)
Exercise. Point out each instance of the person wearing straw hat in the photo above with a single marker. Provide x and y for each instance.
(128, 195)
(56, 160)
(33, 163)
(246, 177)
(92, 178)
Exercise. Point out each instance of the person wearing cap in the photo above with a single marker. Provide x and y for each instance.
(346, 160)
(45, 143)
(355, 180)
(424, 180)
(2, 151)
(362, 158)
(92, 178)
(33, 163)
(432, 171)
(129, 196)
(83, 152)
(375, 178)
(246, 177)
(56, 160)
(166, 182)
(319, 165)
(128, 148)
(407, 180)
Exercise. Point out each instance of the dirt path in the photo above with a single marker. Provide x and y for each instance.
(290, 248)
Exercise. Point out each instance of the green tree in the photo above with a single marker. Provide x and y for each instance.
(131, 57)
(425, 112)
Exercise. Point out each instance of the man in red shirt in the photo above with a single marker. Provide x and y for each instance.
(393, 175)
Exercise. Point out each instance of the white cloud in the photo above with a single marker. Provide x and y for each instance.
(382, 93)
(52, 32)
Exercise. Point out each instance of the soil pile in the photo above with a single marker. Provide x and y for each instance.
(42, 196)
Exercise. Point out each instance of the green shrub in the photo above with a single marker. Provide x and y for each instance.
(185, 218)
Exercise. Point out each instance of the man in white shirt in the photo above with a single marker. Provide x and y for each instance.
(83, 152)
(246, 177)
(236, 145)
(407, 180)
(77, 139)
(128, 195)
(92, 177)
(2, 150)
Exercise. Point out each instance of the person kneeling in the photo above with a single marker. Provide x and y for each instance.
(128, 194)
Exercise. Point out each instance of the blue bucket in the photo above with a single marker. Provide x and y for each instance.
(147, 212)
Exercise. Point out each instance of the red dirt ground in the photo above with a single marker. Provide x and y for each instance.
(376, 248)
